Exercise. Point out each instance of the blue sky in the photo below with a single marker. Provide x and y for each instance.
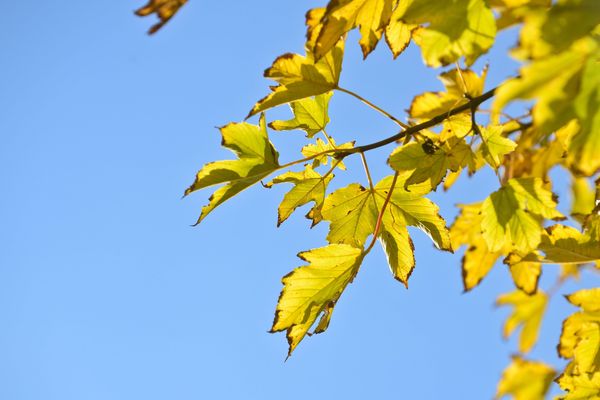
(106, 292)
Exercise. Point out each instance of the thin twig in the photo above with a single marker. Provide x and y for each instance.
(375, 107)
(367, 172)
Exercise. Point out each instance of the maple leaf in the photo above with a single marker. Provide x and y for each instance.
(525, 273)
(564, 244)
(459, 84)
(495, 146)
(478, 259)
(310, 115)
(527, 312)
(308, 186)
(430, 161)
(317, 152)
(164, 9)
(511, 214)
(299, 77)
(313, 290)
(525, 380)
(397, 32)
(454, 29)
(257, 158)
(341, 16)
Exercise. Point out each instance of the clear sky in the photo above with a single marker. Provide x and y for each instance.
(106, 292)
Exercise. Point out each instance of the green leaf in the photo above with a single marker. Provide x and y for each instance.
(313, 290)
(300, 77)
(310, 115)
(510, 216)
(257, 158)
(308, 186)
(456, 28)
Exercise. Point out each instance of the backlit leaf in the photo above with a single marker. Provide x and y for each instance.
(455, 28)
(528, 312)
(313, 289)
(511, 215)
(525, 274)
(310, 115)
(299, 77)
(257, 158)
(309, 186)
(495, 146)
(341, 16)
(525, 380)
(317, 149)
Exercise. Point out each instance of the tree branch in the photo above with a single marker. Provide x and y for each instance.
(476, 101)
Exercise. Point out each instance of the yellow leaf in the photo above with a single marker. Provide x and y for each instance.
(397, 32)
(495, 146)
(586, 299)
(313, 290)
(478, 260)
(528, 312)
(583, 199)
(164, 9)
(257, 158)
(509, 214)
(525, 380)
(341, 16)
(525, 274)
(299, 77)
(310, 115)
(459, 85)
(580, 387)
(455, 28)
(308, 186)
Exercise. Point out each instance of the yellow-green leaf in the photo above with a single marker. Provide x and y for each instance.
(164, 9)
(580, 387)
(308, 186)
(564, 244)
(299, 77)
(430, 161)
(318, 151)
(313, 290)
(525, 380)
(257, 158)
(583, 199)
(410, 208)
(456, 28)
(341, 16)
(352, 213)
(495, 146)
(528, 312)
(511, 215)
(310, 115)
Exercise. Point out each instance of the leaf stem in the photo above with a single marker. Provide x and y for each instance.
(375, 107)
(367, 172)
(381, 213)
